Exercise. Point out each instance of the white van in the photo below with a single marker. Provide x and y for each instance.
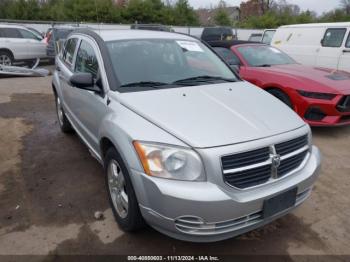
(323, 45)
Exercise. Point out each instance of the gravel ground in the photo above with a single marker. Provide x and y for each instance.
(50, 188)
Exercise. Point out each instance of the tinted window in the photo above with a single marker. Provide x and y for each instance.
(11, 33)
(227, 55)
(164, 61)
(86, 61)
(334, 37)
(61, 33)
(262, 55)
(28, 35)
(69, 50)
(348, 42)
(217, 33)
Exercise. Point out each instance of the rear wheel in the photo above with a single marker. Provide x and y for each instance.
(281, 96)
(121, 193)
(6, 58)
(62, 119)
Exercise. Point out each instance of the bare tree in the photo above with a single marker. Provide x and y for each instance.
(265, 5)
(346, 5)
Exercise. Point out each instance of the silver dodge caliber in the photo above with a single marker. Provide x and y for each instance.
(187, 146)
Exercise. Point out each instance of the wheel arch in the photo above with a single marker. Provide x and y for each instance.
(7, 50)
(282, 90)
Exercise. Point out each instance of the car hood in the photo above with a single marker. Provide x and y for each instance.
(214, 115)
(327, 80)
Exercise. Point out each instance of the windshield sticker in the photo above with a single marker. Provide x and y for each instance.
(190, 46)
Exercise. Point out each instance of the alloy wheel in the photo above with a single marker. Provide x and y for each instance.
(5, 60)
(117, 189)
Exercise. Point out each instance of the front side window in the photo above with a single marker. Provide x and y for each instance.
(165, 61)
(227, 55)
(86, 61)
(262, 55)
(28, 35)
(69, 50)
(334, 37)
(267, 37)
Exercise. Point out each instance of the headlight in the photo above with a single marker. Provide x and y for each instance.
(322, 96)
(170, 162)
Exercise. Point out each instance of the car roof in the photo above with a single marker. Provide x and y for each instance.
(127, 34)
(315, 25)
(12, 26)
(229, 44)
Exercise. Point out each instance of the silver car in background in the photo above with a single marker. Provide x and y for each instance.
(187, 147)
(18, 44)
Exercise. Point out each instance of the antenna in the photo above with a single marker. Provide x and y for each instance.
(98, 20)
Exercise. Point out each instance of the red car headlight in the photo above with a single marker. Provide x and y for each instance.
(315, 95)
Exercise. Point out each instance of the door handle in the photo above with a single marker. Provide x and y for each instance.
(346, 51)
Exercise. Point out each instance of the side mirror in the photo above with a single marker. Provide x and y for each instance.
(84, 81)
(322, 41)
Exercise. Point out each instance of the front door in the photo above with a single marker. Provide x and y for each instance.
(331, 48)
(88, 107)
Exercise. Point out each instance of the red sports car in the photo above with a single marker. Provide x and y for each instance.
(320, 96)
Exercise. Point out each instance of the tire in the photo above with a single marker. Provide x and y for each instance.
(6, 58)
(121, 193)
(63, 121)
(281, 96)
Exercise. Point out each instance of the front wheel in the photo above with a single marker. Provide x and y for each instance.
(121, 193)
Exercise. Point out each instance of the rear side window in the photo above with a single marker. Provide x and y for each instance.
(86, 61)
(69, 50)
(227, 55)
(347, 45)
(334, 37)
(10, 33)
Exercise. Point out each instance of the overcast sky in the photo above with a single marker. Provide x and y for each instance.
(319, 6)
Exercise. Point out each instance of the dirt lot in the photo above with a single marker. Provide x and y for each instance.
(50, 188)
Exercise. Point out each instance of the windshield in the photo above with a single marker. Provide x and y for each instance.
(166, 62)
(261, 55)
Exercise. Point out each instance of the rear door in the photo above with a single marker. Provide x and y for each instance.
(13, 39)
(331, 48)
(64, 66)
(344, 61)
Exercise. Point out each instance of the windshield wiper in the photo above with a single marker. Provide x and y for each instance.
(264, 65)
(145, 84)
(203, 79)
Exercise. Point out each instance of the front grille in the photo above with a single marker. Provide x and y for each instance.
(291, 164)
(291, 146)
(344, 104)
(250, 177)
(245, 159)
(253, 168)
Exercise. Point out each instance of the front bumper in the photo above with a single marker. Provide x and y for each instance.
(318, 112)
(208, 212)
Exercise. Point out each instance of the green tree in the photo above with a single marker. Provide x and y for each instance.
(222, 18)
(184, 14)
